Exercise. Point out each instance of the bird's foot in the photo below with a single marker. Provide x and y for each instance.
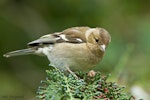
(72, 73)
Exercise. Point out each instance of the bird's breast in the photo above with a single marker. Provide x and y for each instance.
(75, 56)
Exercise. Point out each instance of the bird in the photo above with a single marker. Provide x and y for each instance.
(73, 49)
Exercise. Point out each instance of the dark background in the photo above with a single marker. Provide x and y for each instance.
(21, 21)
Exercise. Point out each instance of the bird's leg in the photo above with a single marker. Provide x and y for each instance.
(68, 69)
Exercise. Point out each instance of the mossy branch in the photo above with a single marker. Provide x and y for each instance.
(58, 86)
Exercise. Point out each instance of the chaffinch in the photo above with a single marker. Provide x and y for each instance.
(76, 48)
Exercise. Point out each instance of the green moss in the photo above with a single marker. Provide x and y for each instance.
(58, 86)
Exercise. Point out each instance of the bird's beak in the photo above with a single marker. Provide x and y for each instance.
(102, 47)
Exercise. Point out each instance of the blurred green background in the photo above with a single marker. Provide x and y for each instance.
(21, 21)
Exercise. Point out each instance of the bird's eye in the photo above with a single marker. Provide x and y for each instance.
(96, 40)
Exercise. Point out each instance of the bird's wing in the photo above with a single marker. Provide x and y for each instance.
(71, 35)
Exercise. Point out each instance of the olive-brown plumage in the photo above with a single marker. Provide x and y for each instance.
(76, 48)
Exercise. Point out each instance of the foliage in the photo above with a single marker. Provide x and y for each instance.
(58, 86)
(128, 21)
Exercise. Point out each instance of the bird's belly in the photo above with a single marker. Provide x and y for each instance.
(78, 64)
(76, 57)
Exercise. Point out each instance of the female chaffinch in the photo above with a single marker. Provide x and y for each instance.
(76, 48)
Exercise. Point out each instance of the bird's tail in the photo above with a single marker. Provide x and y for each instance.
(20, 52)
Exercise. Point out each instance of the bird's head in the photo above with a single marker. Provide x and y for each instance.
(99, 37)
